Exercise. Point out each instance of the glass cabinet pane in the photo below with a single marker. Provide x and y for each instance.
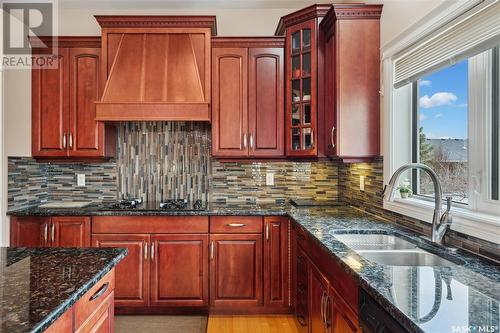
(295, 138)
(306, 38)
(296, 67)
(306, 89)
(306, 115)
(307, 140)
(295, 91)
(295, 115)
(296, 42)
(306, 64)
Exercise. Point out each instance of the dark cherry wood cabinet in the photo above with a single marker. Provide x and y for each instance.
(319, 316)
(31, 231)
(277, 263)
(235, 271)
(350, 43)
(179, 270)
(342, 318)
(247, 92)
(63, 102)
(132, 273)
(302, 290)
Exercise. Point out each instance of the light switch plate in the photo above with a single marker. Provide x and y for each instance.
(269, 179)
(80, 179)
(361, 183)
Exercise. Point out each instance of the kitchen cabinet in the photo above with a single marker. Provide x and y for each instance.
(70, 231)
(167, 264)
(236, 271)
(302, 75)
(132, 273)
(63, 109)
(247, 92)
(179, 269)
(342, 318)
(302, 291)
(350, 42)
(319, 317)
(276, 263)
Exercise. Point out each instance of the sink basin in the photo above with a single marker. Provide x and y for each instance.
(405, 258)
(360, 242)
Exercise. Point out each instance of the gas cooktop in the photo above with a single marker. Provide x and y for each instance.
(170, 204)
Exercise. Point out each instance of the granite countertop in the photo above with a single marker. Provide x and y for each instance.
(422, 299)
(37, 285)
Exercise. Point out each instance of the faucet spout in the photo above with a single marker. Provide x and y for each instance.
(440, 223)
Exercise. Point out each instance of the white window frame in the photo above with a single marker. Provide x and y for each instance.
(467, 220)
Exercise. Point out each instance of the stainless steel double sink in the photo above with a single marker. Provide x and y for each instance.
(390, 249)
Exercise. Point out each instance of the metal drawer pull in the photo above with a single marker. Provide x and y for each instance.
(236, 225)
(267, 231)
(70, 140)
(46, 233)
(333, 143)
(323, 308)
(53, 232)
(146, 251)
(64, 140)
(152, 251)
(251, 141)
(245, 140)
(327, 312)
(101, 291)
(212, 250)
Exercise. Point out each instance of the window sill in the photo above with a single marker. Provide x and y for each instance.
(483, 226)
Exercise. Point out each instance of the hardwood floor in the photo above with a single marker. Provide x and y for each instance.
(251, 324)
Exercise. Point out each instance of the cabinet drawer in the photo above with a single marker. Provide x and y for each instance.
(236, 224)
(150, 225)
(93, 298)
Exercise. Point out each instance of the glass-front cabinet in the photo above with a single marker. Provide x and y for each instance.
(301, 94)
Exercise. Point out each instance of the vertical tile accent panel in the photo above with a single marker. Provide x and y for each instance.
(26, 183)
(163, 160)
(246, 181)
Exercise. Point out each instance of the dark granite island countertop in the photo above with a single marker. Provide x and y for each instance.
(38, 285)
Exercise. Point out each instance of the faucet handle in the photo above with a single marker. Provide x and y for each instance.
(448, 203)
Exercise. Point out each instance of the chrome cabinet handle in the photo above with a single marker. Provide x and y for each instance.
(327, 311)
(323, 308)
(312, 138)
(212, 250)
(53, 232)
(236, 225)
(146, 251)
(152, 251)
(100, 292)
(45, 233)
(64, 140)
(251, 141)
(245, 140)
(267, 231)
(70, 140)
(333, 141)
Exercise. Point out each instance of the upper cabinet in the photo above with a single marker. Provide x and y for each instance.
(301, 98)
(350, 43)
(247, 95)
(63, 96)
(156, 68)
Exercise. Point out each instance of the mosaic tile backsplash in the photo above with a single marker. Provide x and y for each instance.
(163, 160)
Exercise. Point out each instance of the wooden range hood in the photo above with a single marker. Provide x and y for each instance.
(156, 68)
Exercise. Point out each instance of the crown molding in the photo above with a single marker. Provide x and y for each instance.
(340, 12)
(305, 14)
(159, 21)
(274, 41)
(65, 41)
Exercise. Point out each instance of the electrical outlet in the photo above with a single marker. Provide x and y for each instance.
(361, 183)
(269, 178)
(80, 179)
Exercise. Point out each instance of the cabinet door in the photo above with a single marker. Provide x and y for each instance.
(86, 135)
(179, 272)
(340, 315)
(266, 111)
(29, 231)
(49, 107)
(236, 270)
(318, 301)
(230, 102)
(70, 231)
(276, 263)
(302, 292)
(102, 320)
(132, 273)
(301, 90)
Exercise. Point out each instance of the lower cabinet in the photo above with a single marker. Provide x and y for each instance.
(343, 318)
(132, 273)
(302, 292)
(236, 271)
(56, 231)
(319, 316)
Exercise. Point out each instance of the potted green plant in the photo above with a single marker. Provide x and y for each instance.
(405, 190)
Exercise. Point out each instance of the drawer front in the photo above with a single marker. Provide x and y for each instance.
(93, 298)
(236, 224)
(150, 225)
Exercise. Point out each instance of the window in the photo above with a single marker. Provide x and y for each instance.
(440, 139)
